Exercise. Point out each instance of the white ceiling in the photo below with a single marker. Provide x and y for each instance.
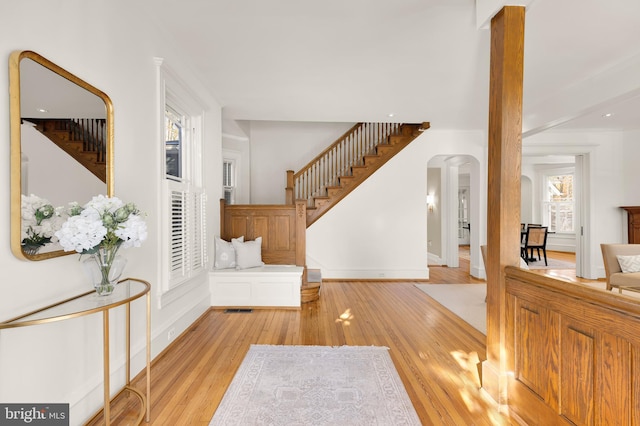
(421, 60)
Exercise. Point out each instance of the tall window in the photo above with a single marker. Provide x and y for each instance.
(184, 236)
(559, 203)
(173, 143)
(229, 180)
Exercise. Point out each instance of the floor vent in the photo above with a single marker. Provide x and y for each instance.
(238, 311)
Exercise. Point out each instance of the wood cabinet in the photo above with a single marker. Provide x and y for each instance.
(633, 223)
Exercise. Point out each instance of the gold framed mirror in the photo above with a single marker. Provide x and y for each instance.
(61, 150)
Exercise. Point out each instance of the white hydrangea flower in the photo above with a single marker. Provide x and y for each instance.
(102, 204)
(81, 233)
(133, 232)
(39, 222)
(104, 222)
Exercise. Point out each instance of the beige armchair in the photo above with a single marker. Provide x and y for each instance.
(614, 274)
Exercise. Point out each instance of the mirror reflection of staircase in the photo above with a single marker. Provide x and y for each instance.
(341, 168)
(84, 139)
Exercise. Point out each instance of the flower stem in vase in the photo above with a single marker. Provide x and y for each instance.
(105, 268)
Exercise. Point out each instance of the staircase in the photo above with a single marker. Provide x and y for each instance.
(347, 163)
(84, 139)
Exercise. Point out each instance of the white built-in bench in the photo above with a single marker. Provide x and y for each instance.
(264, 286)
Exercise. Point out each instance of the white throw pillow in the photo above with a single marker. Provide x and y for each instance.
(225, 253)
(629, 263)
(248, 254)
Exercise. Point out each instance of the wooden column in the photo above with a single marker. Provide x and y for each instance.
(503, 199)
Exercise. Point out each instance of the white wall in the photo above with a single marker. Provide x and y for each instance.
(62, 362)
(280, 146)
(380, 229)
(631, 168)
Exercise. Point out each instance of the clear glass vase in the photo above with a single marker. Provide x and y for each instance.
(31, 249)
(104, 269)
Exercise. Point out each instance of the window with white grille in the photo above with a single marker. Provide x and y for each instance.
(558, 206)
(173, 128)
(184, 236)
(228, 181)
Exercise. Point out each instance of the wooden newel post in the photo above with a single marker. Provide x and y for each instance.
(289, 188)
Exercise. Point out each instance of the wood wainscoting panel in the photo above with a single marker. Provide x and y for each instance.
(282, 228)
(577, 373)
(537, 352)
(258, 227)
(281, 232)
(575, 352)
(613, 396)
(238, 227)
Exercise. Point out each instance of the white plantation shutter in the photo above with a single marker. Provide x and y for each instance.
(187, 255)
(177, 237)
(197, 227)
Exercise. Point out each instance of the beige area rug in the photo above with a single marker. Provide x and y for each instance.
(467, 300)
(464, 300)
(316, 385)
(551, 264)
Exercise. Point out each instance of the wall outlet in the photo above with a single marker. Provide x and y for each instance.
(171, 334)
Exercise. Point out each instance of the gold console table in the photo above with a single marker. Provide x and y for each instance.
(89, 303)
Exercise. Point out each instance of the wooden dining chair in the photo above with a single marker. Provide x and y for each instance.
(535, 239)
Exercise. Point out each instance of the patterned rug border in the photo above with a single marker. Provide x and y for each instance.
(349, 399)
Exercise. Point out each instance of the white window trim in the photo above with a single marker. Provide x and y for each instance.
(233, 177)
(171, 89)
(235, 157)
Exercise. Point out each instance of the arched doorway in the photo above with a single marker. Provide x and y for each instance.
(448, 178)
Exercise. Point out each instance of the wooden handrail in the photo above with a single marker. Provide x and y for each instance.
(90, 131)
(323, 153)
(338, 159)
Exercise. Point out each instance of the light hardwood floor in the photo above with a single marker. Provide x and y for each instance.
(436, 354)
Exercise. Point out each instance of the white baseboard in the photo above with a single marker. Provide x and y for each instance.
(382, 274)
(85, 401)
(434, 259)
